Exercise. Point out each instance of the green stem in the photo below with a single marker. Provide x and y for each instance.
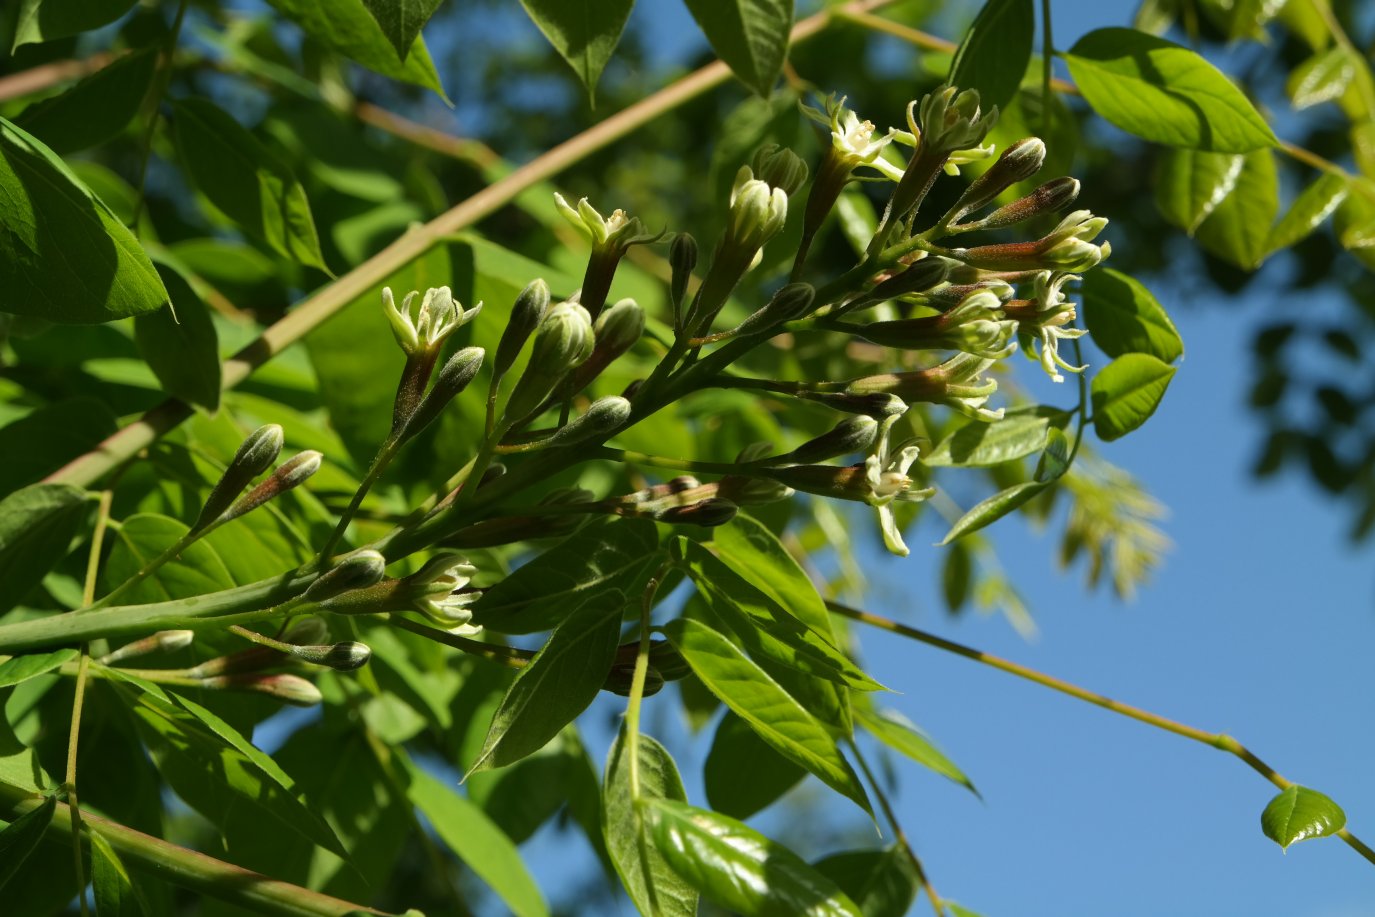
(509, 656)
(147, 570)
(637, 683)
(379, 465)
(1047, 60)
(1217, 740)
(319, 307)
(898, 833)
(1083, 409)
(158, 859)
(164, 76)
(662, 461)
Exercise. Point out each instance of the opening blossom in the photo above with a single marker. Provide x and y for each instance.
(885, 471)
(1047, 320)
(425, 331)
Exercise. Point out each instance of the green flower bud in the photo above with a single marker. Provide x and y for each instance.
(682, 258)
(618, 328)
(790, 303)
(426, 331)
(453, 377)
(525, 318)
(601, 419)
(780, 167)
(342, 657)
(357, 571)
(876, 404)
(744, 490)
(622, 676)
(919, 277)
(854, 434)
(1054, 195)
(1019, 162)
(290, 688)
(955, 383)
(758, 212)
(164, 641)
(706, 513)
(847, 482)
(1068, 248)
(291, 473)
(254, 456)
(562, 342)
(951, 120)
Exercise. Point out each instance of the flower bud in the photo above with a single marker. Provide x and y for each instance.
(622, 677)
(780, 167)
(290, 688)
(308, 629)
(955, 383)
(918, 278)
(506, 530)
(1019, 162)
(706, 513)
(254, 456)
(342, 657)
(525, 318)
(562, 342)
(1054, 195)
(602, 418)
(667, 661)
(847, 482)
(1067, 248)
(790, 303)
(424, 333)
(876, 404)
(164, 641)
(854, 434)
(294, 471)
(453, 377)
(758, 212)
(951, 120)
(682, 258)
(618, 328)
(357, 571)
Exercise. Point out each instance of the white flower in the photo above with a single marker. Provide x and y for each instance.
(1051, 324)
(885, 471)
(439, 316)
(587, 220)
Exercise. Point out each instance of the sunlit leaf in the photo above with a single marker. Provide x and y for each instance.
(1124, 317)
(1126, 393)
(1238, 228)
(1298, 814)
(983, 444)
(1310, 209)
(1192, 183)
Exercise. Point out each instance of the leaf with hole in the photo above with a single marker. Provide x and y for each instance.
(1298, 814)
(1165, 93)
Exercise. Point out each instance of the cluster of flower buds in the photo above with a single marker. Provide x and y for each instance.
(255, 455)
(439, 590)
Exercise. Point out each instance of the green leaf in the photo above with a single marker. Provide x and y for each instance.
(994, 54)
(22, 668)
(19, 839)
(44, 440)
(738, 868)
(144, 536)
(537, 596)
(1239, 227)
(1124, 317)
(881, 882)
(1192, 183)
(1313, 205)
(760, 701)
(95, 109)
(902, 735)
(348, 27)
(979, 445)
(992, 509)
(748, 547)
(401, 20)
(245, 180)
(957, 576)
(1298, 814)
(45, 20)
(473, 838)
(49, 221)
(584, 33)
(567, 672)
(765, 627)
(37, 525)
(1324, 77)
(1165, 93)
(215, 769)
(180, 345)
(115, 892)
(751, 36)
(1126, 393)
(654, 888)
(742, 773)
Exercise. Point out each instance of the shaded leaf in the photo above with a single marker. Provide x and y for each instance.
(536, 596)
(1165, 93)
(743, 773)
(1238, 228)
(653, 886)
(401, 20)
(95, 109)
(180, 345)
(994, 53)
(901, 734)
(881, 882)
(473, 838)
(760, 701)
(1124, 317)
(1126, 392)
(22, 668)
(21, 836)
(45, 20)
(50, 221)
(37, 525)
(584, 33)
(1324, 77)
(44, 440)
(1298, 813)
(1191, 184)
(115, 892)
(751, 36)
(738, 868)
(142, 537)
(748, 547)
(245, 180)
